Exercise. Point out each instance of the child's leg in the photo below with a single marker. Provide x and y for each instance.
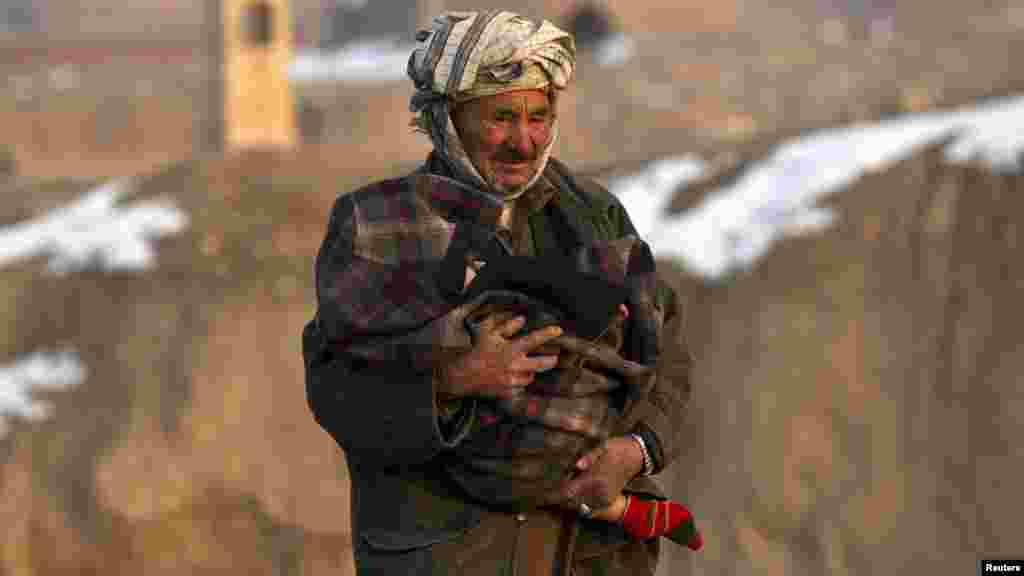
(646, 518)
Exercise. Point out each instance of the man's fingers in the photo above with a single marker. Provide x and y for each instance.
(521, 379)
(497, 323)
(589, 489)
(511, 393)
(557, 498)
(509, 328)
(564, 497)
(537, 338)
(588, 459)
(576, 487)
(533, 364)
(515, 385)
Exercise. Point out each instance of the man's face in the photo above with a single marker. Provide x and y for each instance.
(505, 134)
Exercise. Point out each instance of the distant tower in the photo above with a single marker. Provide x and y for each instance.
(258, 105)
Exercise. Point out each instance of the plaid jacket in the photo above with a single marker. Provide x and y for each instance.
(389, 304)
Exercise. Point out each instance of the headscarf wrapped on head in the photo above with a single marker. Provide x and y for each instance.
(467, 55)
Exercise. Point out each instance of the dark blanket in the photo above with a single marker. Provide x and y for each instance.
(393, 290)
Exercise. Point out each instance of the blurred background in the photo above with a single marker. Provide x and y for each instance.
(833, 186)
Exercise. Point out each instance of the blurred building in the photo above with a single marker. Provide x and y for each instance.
(346, 21)
(17, 16)
(154, 20)
(143, 78)
(258, 104)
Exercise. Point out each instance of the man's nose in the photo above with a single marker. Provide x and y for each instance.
(519, 139)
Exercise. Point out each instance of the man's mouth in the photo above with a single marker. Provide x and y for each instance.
(513, 166)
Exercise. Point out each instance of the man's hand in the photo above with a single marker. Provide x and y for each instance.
(603, 473)
(497, 366)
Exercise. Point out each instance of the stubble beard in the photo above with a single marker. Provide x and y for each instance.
(512, 190)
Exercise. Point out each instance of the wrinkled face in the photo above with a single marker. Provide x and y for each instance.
(505, 135)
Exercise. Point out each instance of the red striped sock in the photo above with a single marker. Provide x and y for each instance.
(651, 518)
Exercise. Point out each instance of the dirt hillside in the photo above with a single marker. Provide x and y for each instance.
(857, 393)
(189, 447)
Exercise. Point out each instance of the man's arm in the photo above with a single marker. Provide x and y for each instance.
(381, 415)
(658, 414)
(661, 412)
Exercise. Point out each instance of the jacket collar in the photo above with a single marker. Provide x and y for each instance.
(533, 200)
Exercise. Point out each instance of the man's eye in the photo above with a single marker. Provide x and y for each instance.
(539, 119)
(503, 118)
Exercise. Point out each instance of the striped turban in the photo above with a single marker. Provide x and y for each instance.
(467, 55)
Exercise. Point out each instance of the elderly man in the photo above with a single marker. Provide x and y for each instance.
(487, 344)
